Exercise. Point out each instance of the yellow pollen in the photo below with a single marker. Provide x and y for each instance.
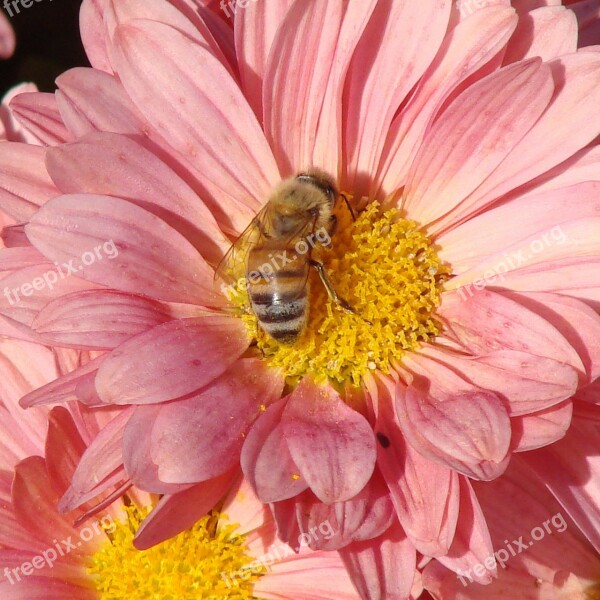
(201, 563)
(387, 269)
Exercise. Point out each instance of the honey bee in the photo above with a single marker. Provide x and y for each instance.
(274, 253)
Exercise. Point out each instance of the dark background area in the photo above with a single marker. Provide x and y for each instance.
(48, 43)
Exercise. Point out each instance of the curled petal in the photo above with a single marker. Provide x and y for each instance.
(332, 444)
(468, 431)
(266, 459)
(213, 422)
(175, 513)
(541, 428)
(383, 568)
(171, 360)
(97, 319)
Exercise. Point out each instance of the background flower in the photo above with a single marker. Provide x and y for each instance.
(168, 147)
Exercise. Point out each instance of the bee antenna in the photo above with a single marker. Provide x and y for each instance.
(347, 202)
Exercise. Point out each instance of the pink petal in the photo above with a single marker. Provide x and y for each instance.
(25, 183)
(35, 500)
(114, 165)
(398, 44)
(380, 513)
(243, 507)
(12, 259)
(255, 28)
(542, 428)
(208, 105)
(562, 548)
(547, 32)
(383, 568)
(90, 100)
(45, 588)
(24, 367)
(502, 238)
(571, 471)
(575, 277)
(224, 45)
(93, 34)
(61, 389)
(13, 236)
(366, 516)
(13, 535)
(10, 128)
(71, 571)
(527, 383)
(473, 44)
(472, 543)
(298, 69)
(186, 20)
(332, 444)
(314, 576)
(21, 301)
(38, 113)
(424, 493)
(284, 514)
(468, 431)
(17, 331)
(175, 513)
(171, 360)
(489, 321)
(102, 458)
(64, 448)
(14, 446)
(461, 149)
(266, 459)
(582, 167)
(213, 423)
(564, 128)
(328, 150)
(136, 452)
(122, 246)
(577, 322)
(98, 319)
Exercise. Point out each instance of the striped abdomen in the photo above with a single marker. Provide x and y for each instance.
(278, 291)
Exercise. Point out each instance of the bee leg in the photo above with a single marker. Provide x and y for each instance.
(329, 286)
(345, 199)
(262, 351)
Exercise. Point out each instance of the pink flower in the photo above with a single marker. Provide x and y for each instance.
(476, 300)
(539, 550)
(43, 555)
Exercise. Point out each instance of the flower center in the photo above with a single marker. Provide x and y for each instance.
(197, 563)
(387, 269)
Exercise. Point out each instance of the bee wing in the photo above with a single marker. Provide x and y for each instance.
(233, 265)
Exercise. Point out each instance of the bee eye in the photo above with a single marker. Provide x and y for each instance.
(314, 211)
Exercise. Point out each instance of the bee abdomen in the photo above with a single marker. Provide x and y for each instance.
(282, 316)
